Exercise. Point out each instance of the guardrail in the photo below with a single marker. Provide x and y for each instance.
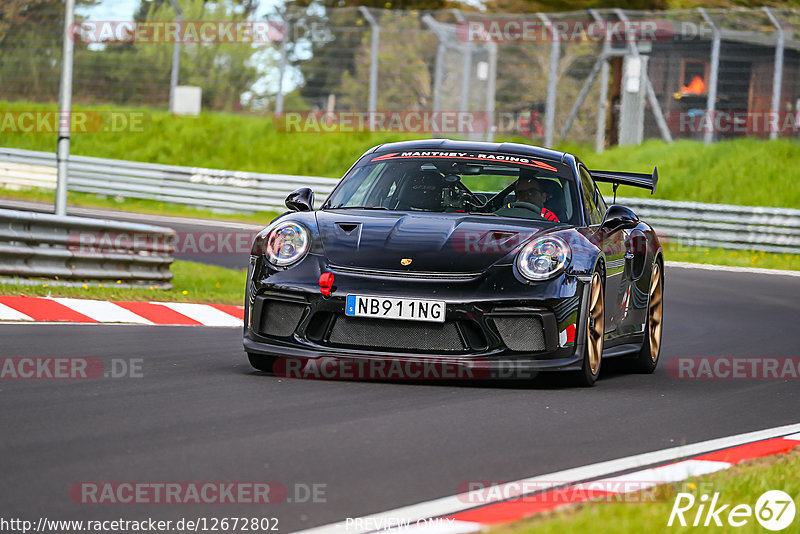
(193, 186)
(691, 223)
(722, 225)
(85, 249)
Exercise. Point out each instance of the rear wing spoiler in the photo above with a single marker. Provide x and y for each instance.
(636, 179)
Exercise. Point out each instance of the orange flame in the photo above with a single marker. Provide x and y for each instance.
(696, 87)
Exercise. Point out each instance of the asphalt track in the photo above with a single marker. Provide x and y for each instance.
(200, 413)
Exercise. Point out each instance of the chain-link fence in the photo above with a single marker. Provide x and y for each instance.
(600, 76)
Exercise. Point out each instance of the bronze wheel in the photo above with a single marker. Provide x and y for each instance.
(595, 325)
(655, 311)
(647, 359)
(595, 329)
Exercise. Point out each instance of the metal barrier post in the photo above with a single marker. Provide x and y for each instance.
(375, 30)
(777, 75)
(711, 101)
(552, 83)
(65, 110)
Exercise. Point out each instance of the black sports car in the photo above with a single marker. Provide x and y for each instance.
(487, 256)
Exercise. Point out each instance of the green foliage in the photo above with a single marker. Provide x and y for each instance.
(404, 82)
(734, 258)
(192, 282)
(751, 172)
(30, 47)
(211, 140)
(649, 511)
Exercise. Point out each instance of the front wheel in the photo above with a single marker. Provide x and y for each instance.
(595, 328)
(647, 358)
(261, 362)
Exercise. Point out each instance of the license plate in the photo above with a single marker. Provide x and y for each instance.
(392, 308)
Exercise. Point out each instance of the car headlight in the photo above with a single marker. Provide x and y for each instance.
(543, 258)
(286, 244)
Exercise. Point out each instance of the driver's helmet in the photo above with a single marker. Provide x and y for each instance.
(528, 189)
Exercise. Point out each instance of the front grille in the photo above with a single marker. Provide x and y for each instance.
(396, 335)
(521, 333)
(280, 318)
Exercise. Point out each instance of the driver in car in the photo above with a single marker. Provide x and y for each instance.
(530, 197)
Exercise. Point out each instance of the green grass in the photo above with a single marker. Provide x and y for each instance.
(748, 172)
(751, 172)
(192, 282)
(735, 258)
(650, 510)
(135, 205)
(211, 140)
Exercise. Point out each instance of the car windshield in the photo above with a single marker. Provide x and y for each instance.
(523, 188)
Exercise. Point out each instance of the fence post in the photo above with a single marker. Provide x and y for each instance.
(467, 65)
(438, 73)
(491, 89)
(711, 101)
(552, 83)
(176, 56)
(602, 104)
(287, 29)
(651, 93)
(375, 31)
(777, 75)
(65, 110)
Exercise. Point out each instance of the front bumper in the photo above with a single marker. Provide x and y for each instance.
(492, 322)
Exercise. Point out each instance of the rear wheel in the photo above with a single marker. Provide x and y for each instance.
(595, 328)
(647, 359)
(261, 362)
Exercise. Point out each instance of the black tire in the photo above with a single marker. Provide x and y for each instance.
(261, 362)
(646, 360)
(595, 328)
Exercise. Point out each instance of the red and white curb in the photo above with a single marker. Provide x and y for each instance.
(69, 310)
(474, 511)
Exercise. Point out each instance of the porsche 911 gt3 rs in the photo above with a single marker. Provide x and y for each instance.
(484, 255)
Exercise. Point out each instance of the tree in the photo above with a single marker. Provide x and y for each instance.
(325, 62)
(404, 81)
(31, 39)
(139, 72)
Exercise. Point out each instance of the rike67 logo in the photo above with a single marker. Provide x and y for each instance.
(774, 510)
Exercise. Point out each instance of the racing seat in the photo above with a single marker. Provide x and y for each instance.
(422, 192)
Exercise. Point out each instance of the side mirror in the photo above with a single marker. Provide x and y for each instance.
(619, 217)
(301, 200)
